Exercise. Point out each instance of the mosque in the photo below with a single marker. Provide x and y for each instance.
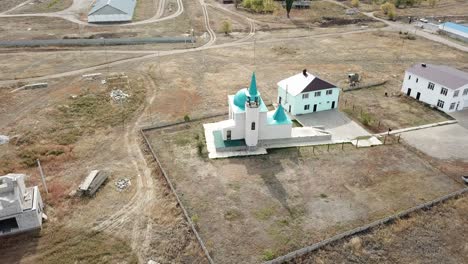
(251, 127)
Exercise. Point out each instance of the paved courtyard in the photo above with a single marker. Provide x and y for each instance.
(443, 142)
(335, 122)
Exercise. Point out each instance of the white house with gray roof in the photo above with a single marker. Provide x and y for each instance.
(109, 11)
(440, 86)
(305, 93)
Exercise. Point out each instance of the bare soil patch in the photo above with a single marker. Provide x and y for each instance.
(71, 136)
(8, 4)
(145, 9)
(432, 236)
(44, 6)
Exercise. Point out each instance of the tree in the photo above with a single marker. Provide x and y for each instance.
(289, 4)
(389, 10)
(355, 3)
(226, 27)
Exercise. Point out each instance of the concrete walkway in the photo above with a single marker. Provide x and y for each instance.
(335, 122)
(403, 130)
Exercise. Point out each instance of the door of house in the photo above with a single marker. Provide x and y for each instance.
(228, 135)
(333, 105)
(289, 109)
(418, 95)
(279, 101)
(315, 108)
(408, 93)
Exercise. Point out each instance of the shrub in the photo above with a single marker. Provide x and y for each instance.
(389, 10)
(432, 3)
(268, 255)
(355, 3)
(226, 27)
(186, 118)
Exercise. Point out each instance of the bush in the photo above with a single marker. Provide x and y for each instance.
(355, 3)
(389, 10)
(186, 118)
(226, 27)
(432, 3)
(268, 255)
(259, 5)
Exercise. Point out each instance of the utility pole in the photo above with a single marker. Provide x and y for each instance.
(42, 176)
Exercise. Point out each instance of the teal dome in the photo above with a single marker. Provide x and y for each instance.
(240, 98)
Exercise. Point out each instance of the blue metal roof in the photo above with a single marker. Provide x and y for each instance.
(120, 10)
(455, 26)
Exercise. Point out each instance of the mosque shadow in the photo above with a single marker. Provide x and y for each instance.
(267, 167)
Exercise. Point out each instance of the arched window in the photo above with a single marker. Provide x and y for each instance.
(252, 127)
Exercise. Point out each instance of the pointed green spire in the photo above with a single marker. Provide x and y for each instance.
(253, 86)
(279, 115)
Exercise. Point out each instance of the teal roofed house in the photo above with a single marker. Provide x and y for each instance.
(250, 121)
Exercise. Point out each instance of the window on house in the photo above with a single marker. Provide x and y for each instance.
(417, 79)
(252, 126)
(440, 103)
(443, 91)
(317, 94)
(329, 92)
(305, 96)
(409, 77)
(430, 86)
(452, 106)
(455, 94)
(306, 107)
(465, 92)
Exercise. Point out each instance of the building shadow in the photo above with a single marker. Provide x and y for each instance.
(14, 247)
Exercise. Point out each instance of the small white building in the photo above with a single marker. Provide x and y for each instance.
(20, 206)
(440, 86)
(305, 93)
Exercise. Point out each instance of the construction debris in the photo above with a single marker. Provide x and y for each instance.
(92, 76)
(92, 183)
(351, 11)
(122, 184)
(118, 95)
(4, 139)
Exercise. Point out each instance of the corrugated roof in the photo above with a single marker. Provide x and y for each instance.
(455, 26)
(127, 8)
(301, 84)
(444, 75)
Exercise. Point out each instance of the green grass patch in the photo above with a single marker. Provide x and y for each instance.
(265, 213)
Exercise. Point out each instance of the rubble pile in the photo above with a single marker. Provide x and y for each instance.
(118, 95)
(122, 184)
